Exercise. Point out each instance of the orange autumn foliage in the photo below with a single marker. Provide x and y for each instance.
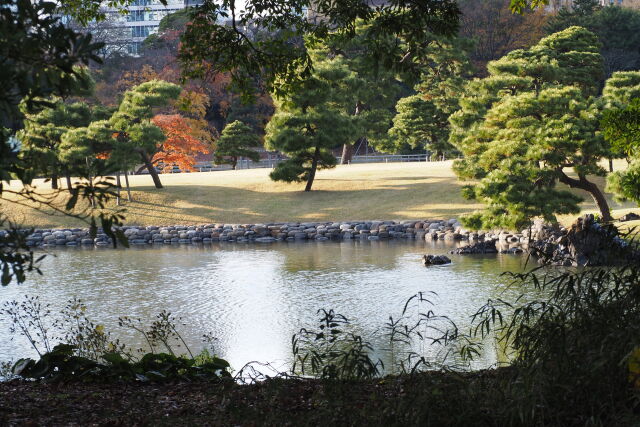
(186, 139)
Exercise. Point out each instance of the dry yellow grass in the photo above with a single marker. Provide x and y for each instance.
(360, 191)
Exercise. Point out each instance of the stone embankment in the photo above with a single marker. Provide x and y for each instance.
(585, 243)
(447, 230)
(450, 230)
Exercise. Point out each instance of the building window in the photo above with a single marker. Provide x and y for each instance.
(141, 31)
(136, 15)
(134, 48)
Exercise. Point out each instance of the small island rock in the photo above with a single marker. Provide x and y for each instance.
(435, 260)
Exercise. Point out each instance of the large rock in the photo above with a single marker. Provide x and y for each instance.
(435, 260)
(486, 247)
(629, 217)
(587, 242)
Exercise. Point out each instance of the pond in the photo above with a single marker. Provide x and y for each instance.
(252, 298)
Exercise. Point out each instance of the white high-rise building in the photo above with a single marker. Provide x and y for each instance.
(556, 5)
(125, 32)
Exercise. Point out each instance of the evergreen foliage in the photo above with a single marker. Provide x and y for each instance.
(42, 135)
(40, 57)
(525, 124)
(132, 121)
(371, 92)
(237, 140)
(422, 119)
(617, 28)
(128, 136)
(309, 123)
(621, 127)
(621, 88)
(413, 122)
(281, 57)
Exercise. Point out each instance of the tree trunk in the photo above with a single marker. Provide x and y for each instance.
(69, 185)
(314, 167)
(152, 170)
(54, 181)
(140, 169)
(347, 149)
(597, 195)
(126, 180)
(347, 154)
(610, 165)
(118, 187)
(234, 163)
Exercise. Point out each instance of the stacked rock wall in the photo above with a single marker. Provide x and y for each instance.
(450, 230)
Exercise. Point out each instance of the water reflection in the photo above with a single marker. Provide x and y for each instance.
(253, 297)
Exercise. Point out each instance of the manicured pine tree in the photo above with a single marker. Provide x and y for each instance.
(422, 120)
(132, 125)
(622, 88)
(94, 151)
(619, 90)
(524, 125)
(129, 136)
(42, 135)
(369, 94)
(621, 127)
(237, 140)
(309, 122)
(46, 122)
(617, 28)
(417, 125)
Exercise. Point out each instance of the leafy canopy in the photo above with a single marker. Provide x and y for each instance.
(309, 122)
(270, 38)
(422, 119)
(520, 127)
(237, 140)
(371, 91)
(185, 139)
(621, 127)
(617, 28)
(128, 136)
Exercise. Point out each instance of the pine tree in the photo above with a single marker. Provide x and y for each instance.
(621, 88)
(94, 150)
(524, 125)
(617, 28)
(369, 94)
(415, 124)
(128, 136)
(621, 127)
(43, 133)
(309, 122)
(422, 119)
(47, 119)
(237, 140)
(132, 124)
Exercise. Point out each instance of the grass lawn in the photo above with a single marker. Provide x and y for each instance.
(352, 192)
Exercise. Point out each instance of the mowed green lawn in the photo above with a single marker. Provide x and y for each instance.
(352, 192)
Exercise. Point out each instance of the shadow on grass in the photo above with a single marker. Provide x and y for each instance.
(224, 204)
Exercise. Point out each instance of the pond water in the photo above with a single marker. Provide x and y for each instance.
(252, 298)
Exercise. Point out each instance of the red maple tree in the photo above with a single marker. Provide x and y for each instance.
(186, 139)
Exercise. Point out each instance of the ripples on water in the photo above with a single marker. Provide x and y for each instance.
(254, 297)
